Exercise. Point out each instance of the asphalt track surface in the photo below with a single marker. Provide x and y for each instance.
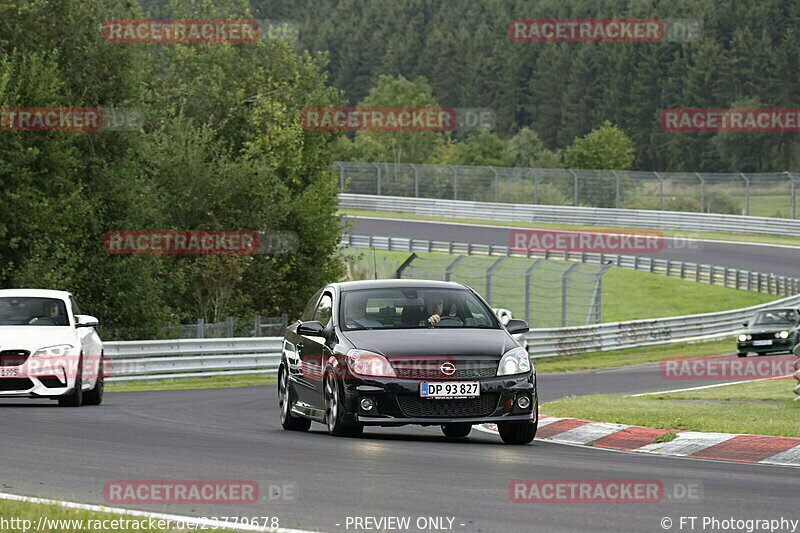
(234, 434)
(781, 260)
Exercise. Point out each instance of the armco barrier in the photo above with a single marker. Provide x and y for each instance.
(594, 216)
(162, 359)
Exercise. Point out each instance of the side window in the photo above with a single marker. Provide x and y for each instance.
(324, 310)
(75, 309)
(311, 306)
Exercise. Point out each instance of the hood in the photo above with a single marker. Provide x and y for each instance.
(773, 328)
(432, 342)
(32, 338)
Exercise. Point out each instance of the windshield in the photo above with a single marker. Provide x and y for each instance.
(780, 316)
(413, 308)
(33, 312)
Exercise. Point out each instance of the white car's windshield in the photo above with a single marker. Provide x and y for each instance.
(30, 311)
(413, 308)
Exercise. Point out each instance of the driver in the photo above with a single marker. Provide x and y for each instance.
(50, 312)
(434, 305)
(355, 312)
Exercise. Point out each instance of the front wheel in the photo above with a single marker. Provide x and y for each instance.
(518, 432)
(334, 411)
(289, 421)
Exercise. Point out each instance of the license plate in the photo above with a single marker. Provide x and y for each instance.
(9, 372)
(450, 389)
(762, 343)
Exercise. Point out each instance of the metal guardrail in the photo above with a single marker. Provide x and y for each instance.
(643, 333)
(592, 216)
(732, 278)
(179, 358)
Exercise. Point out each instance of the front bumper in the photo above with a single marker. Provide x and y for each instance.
(34, 378)
(778, 345)
(397, 402)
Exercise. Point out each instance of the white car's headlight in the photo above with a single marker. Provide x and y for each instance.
(515, 361)
(54, 351)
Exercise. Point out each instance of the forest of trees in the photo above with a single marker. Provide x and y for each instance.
(749, 57)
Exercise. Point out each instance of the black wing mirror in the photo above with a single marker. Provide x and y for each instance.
(313, 328)
(517, 326)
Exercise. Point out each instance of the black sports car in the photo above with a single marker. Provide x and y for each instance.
(396, 352)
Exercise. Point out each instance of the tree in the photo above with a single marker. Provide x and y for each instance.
(606, 147)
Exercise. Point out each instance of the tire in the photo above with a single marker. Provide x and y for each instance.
(75, 397)
(458, 430)
(286, 400)
(334, 412)
(517, 432)
(95, 395)
(740, 354)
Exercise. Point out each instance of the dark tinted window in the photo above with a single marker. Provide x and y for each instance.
(311, 306)
(324, 310)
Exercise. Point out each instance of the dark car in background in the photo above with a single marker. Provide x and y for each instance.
(397, 352)
(770, 331)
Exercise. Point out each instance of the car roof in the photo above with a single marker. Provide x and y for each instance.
(397, 283)
(35, 293)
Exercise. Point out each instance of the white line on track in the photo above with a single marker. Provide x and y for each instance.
(208, 523)
(710, 386)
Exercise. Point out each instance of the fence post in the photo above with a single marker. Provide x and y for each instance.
(201, 328)
(257, 326)
(378, 176)
(451, 266)
(616, 196)
(229, 326)
(597, 296)
(746, 193)
(416, 179)
(660, 191)
(564, 280)
(341, 176)
(496, 184)
(575, 187)
(528, 273)
(535, 186)
(489, 272)
(455, 181)
(398, 274)
(702, 192)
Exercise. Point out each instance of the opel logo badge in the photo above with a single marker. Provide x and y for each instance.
(448, 368)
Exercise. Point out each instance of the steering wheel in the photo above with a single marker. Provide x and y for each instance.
(39, 319)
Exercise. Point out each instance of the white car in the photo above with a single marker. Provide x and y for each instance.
(48, 349)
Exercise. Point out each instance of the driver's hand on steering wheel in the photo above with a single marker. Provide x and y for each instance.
(434, 319)
(34, 319)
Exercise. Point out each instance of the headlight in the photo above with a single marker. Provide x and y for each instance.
(54, 351)
(366, 363)
(515, 361)
(742, 338)
(782, 335)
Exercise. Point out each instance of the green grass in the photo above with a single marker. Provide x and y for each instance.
(757, 419)
(212, 382)
(33, 511)
(630, 356)
(768, 390)
(711, 235)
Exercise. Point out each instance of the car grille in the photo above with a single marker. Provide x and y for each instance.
(8, 384)
(13, 357)
(763, 336)
(415, 407)
(432, 368)
(52, 382)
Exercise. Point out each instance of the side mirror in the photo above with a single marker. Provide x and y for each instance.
(745, 324)
(517, 326)
(86, 321)
(313, 328)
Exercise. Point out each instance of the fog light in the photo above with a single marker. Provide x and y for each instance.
(523, 402)
(367, 404)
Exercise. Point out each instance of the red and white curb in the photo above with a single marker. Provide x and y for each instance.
(783, 451)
